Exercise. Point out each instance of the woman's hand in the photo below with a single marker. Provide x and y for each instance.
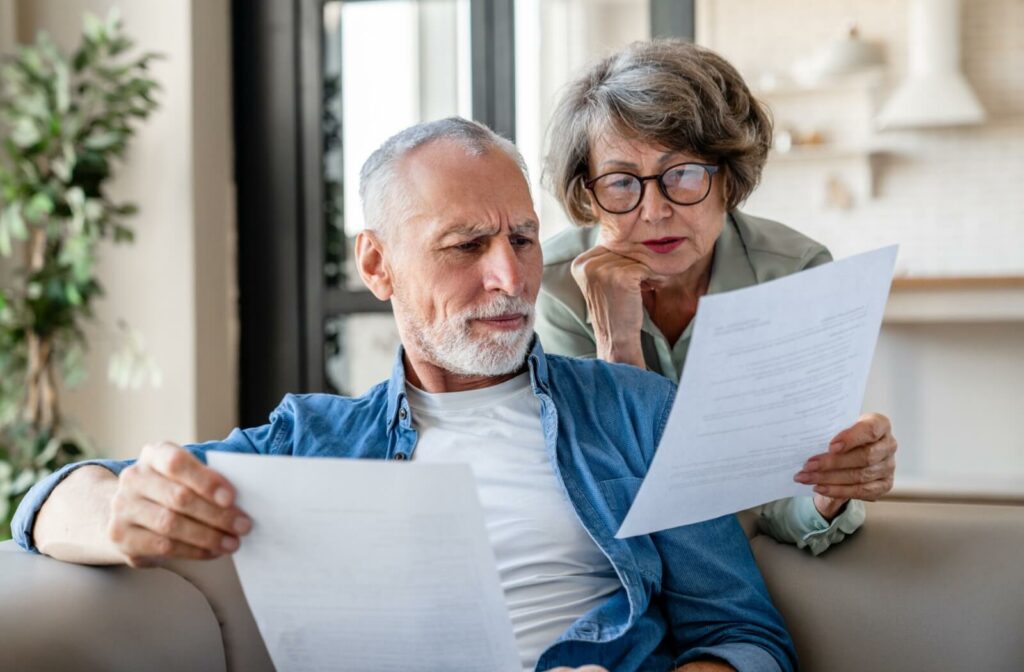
(612, 286)
(859, 464)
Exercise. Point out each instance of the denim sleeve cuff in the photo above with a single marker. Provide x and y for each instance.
(741, 655)
(25, 517)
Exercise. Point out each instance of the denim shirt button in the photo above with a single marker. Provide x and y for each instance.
(402, 413)
(399, 456)
(587, 629)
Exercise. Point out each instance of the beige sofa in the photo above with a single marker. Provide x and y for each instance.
(925, 587)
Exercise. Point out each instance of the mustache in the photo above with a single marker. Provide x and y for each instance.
(502, 305)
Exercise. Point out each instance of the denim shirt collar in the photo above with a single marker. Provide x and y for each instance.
(536, 360)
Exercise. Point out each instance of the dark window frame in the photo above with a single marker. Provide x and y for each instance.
(284, 303)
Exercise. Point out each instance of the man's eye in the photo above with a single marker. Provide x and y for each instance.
(521, 241)
(468, 246)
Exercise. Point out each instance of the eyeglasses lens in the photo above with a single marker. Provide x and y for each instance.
(617, 192)
(685, 184)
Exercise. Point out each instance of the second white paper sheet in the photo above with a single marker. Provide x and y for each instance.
(773, 372)
(373, 566)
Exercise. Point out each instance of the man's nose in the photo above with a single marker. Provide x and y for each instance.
(503, 269)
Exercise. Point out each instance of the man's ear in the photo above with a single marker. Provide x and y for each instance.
(370, 261)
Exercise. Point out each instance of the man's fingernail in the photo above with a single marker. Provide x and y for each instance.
(222, 497)
(229, 544)
(802, 478)
(836, 446)
(812, 465)
(242, 525)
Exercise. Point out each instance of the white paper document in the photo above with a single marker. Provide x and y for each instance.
(372, 566)
(773, 372)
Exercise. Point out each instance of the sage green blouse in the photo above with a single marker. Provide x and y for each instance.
(750, 250)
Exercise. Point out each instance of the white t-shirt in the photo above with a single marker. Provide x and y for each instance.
(552, 572)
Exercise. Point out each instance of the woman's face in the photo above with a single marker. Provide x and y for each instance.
(666, 237)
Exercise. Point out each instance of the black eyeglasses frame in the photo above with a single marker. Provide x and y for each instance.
(710, 168)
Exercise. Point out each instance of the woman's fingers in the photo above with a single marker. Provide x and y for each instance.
(860, 464)
(866, 491)
(864, 456)
(600, 266)
(873, 472)
(869, 428)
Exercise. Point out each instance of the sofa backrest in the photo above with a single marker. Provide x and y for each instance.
(920, 587)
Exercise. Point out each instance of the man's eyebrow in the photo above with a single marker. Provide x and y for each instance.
(528, 226)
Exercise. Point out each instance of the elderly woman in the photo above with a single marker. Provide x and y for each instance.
(652, 151)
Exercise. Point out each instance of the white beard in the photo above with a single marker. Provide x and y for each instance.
(451, 346)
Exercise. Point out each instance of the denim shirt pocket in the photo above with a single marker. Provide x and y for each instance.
(618, 495)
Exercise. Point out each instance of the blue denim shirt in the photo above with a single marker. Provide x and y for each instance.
(688, 592)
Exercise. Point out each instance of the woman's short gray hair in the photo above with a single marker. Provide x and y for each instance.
(384, 200)
(669, 93)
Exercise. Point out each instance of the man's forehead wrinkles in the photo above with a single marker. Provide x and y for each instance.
(480, 228)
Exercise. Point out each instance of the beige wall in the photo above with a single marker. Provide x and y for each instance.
(176, 283)
(7, 25)
(948, 196)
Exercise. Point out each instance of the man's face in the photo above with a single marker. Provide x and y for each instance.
(466, 261)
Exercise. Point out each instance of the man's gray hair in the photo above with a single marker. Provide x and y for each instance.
(384, 199)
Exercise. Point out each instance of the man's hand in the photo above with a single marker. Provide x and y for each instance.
(612, 286)
(171, 505)
(860, 464)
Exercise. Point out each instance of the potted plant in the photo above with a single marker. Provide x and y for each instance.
(65, 120)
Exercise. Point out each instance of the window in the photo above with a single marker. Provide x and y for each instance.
(318, 85)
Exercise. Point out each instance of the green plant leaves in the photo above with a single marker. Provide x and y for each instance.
(12, 225)
(93, 28)
(39, 207)
(25, 133)
(103, 141)
(66, 120)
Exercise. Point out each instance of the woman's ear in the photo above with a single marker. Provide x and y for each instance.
(370, 260)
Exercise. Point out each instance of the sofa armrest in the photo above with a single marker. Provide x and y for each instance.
(919, 587)
(218, 580)
(59, 616)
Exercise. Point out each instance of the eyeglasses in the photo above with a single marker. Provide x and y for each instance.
(683, 184)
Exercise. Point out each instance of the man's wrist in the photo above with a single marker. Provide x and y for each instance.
(71, 523)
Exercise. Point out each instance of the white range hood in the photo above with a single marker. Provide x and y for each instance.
(935, 91)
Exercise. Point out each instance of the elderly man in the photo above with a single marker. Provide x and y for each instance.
(558, 446)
